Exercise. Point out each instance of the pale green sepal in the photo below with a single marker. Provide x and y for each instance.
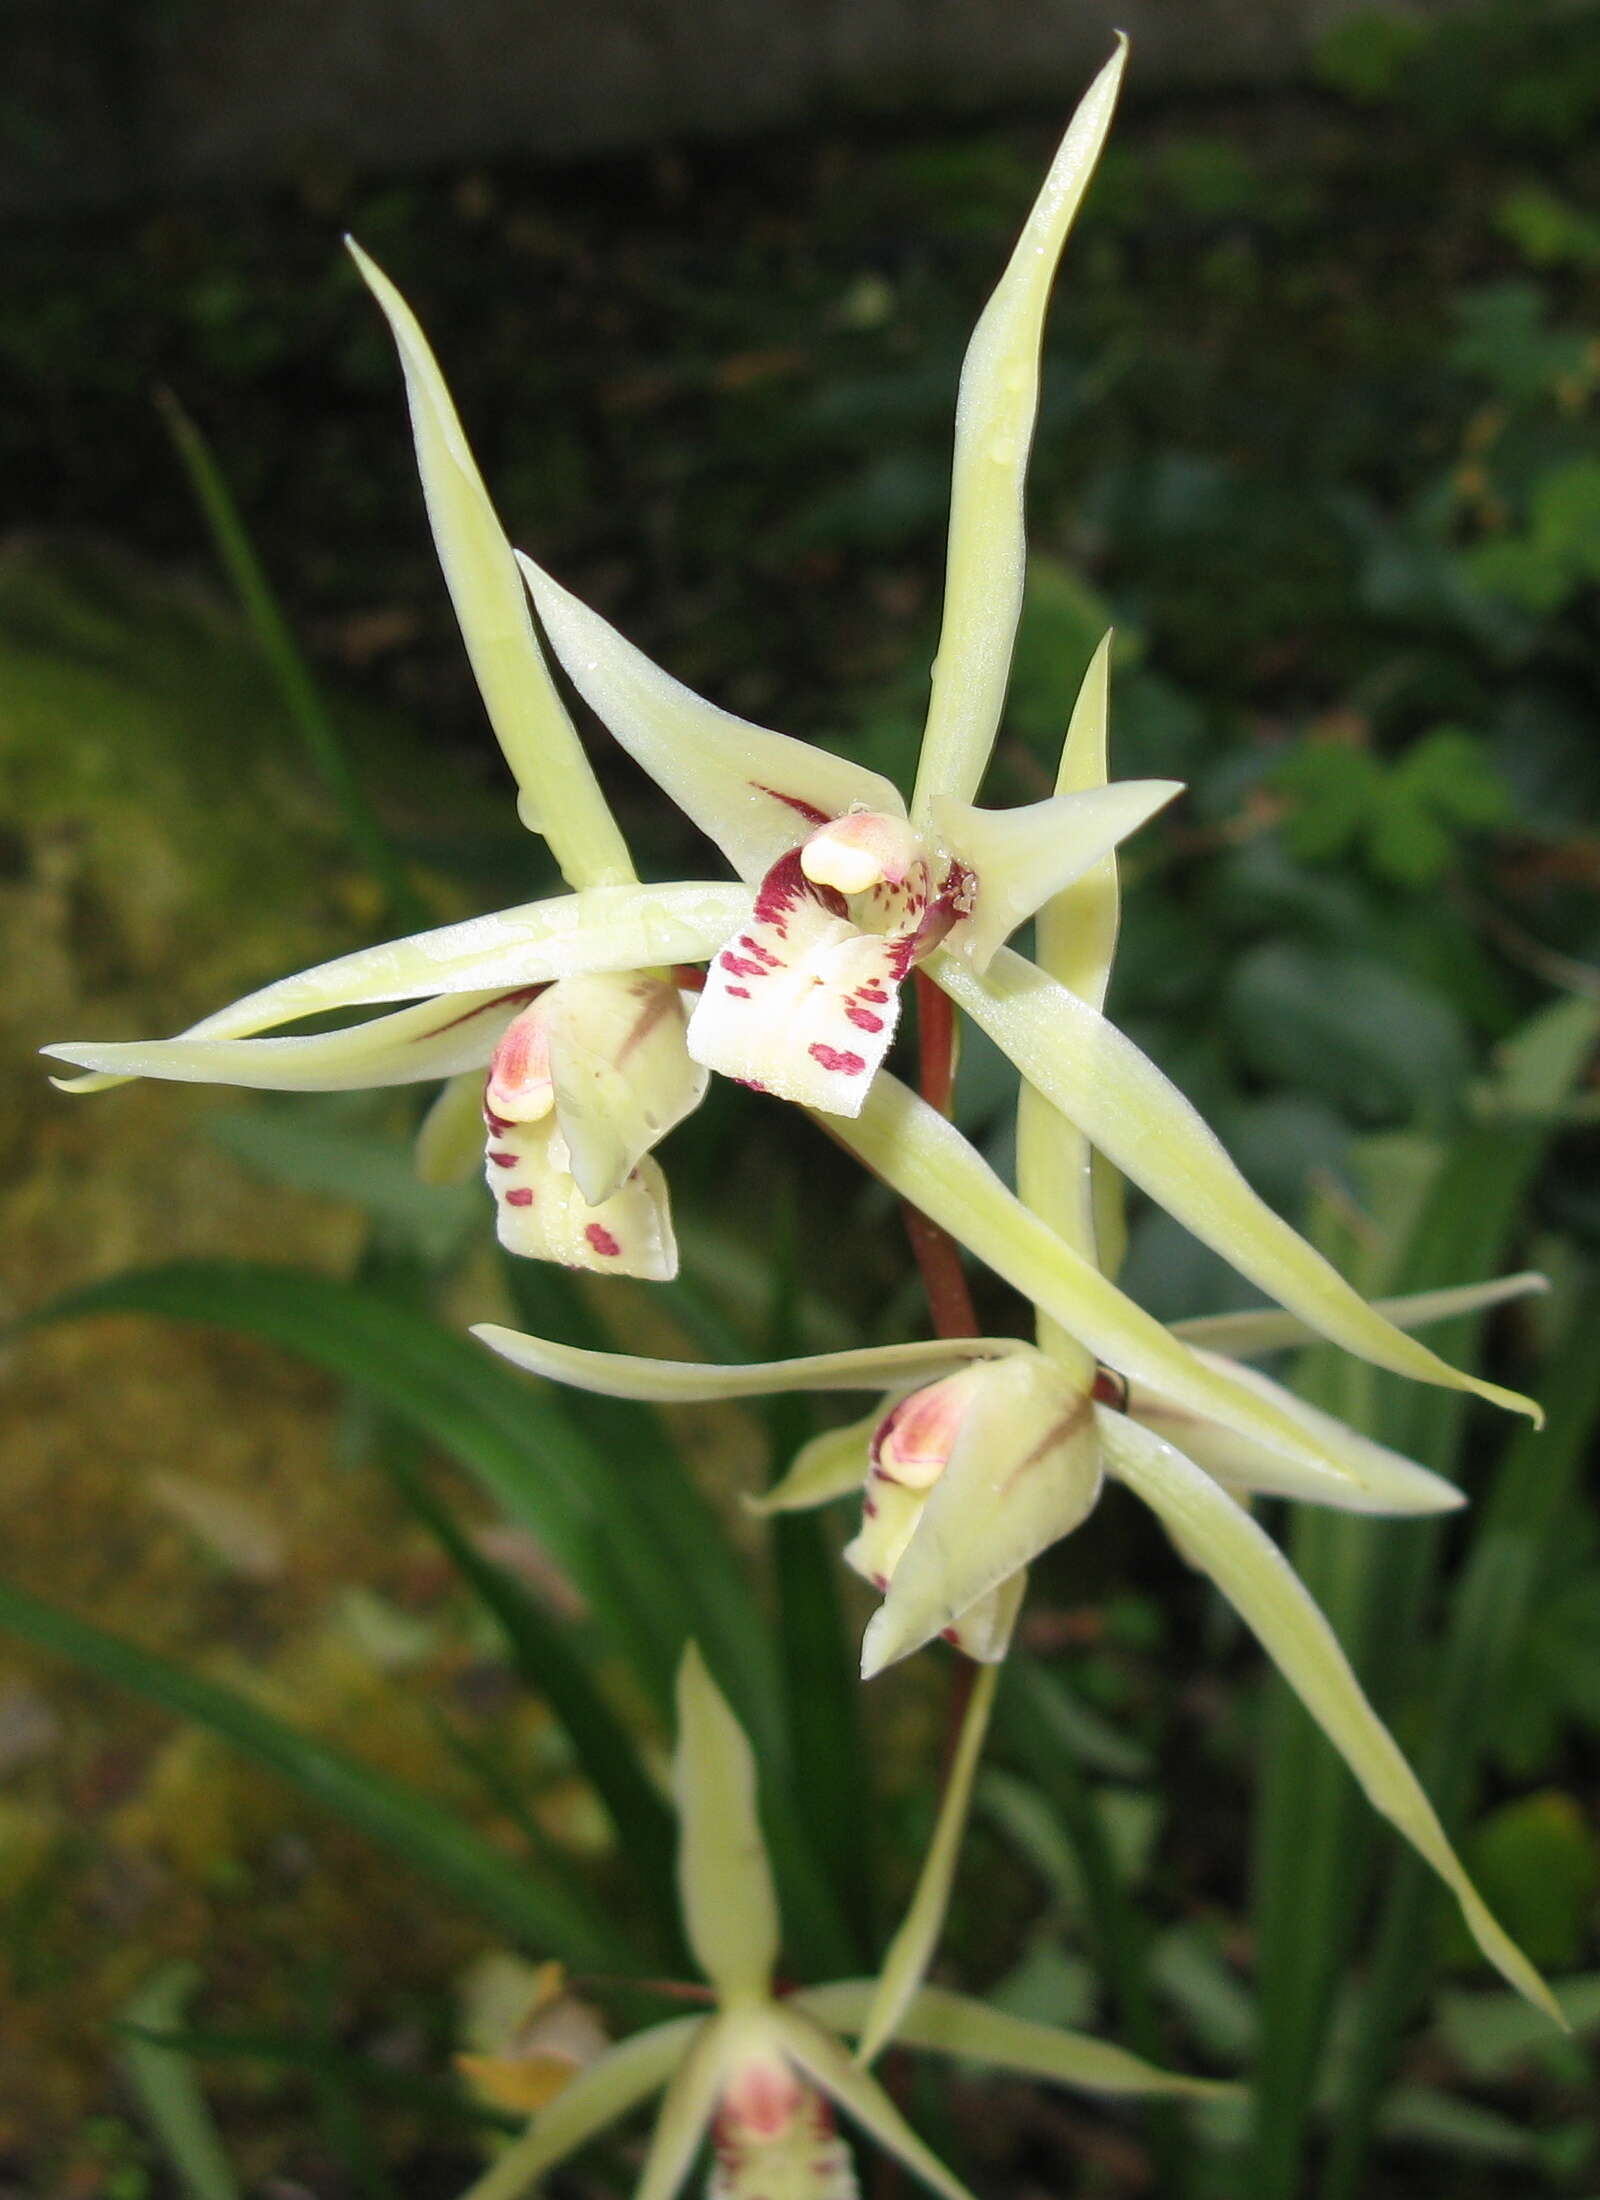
(911, 1950)
(831, 1465)
(601, 2094)
(945, 2023)
(686, 2113)
(1257, 1330)
(1220, 1537)
(1023, 1471)
(730, 1911)
(1021, 858)
(925, 1158)
(449, 1142)
(673, 1382)
(602, 928)
(726, 774)
(821, 2057)
(561, 797)
(995, 413)
(437, 1038)
(622, 1073)
(1075, 937)
(1123, 1105)
(1376, 1479)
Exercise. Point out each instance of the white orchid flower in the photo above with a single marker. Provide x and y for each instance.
(762, 2075)
(569, 1004)
(851, 890)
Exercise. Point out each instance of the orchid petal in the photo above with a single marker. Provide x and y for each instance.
(1021, 858)
(983, 1631)
(945, 2023)
(436, 1038)
(683, 1382)
(686, 2114)
(1023, 1472)
(926, 1159)
(607, 2090)
(995, 415)
(826, 2063)
(449, 1142)
(801, 1003)
(1121, 1102)
(602, 928)
(754, 792)
(560, 796)
(622, 1073)
(730, 1911)
(540, 1213)
(1258, 1330)
(911, 1950)
(1075, 937)
(1252, 1573)
(830, 1465)
(1376, 1479)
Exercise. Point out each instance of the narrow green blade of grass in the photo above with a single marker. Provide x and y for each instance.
(546, 1473)
(719, 1608)
(168, 2091)
(1028, 1720)
(292, 675)
(1374, 1578)
(1492, 1603)
(604, 1748)
(418, 1830)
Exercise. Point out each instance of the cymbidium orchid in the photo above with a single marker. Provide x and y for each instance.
(986, 1450)
(762, 2074)
(568, 1004)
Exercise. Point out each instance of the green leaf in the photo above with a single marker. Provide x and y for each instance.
(419, 1831)
(168, 2091)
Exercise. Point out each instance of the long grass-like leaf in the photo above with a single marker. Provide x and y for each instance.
(415, 1828)
(1491, 1606)
(292, 675)
(164, 2080)
(571, 1493)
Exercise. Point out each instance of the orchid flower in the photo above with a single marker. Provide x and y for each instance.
(764, 2072)
(569, 1005)
(984, 1451)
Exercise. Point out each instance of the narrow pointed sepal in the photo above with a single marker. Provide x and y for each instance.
(945, 2023)
(1219, 1537)
(801, 1003)
(995, 413)
(1019, 859)
(1375, 1480)
(754, 792)
(560, 796)
(449, 1141)
(603, 2093)
(541, 1214)
(686, 2112)
(1255, 1331)
(730, 1909)
(1127, 1109)
(682, 1382)
(911, 1950)
(621, 1071)
(829, 2066)
(830, 1466)
(436, 1038)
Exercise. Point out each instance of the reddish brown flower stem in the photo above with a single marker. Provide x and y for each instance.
(937, 1255)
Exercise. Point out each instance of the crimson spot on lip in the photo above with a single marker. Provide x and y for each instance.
(843, 1063)
(863, 1018)
(601, 1240)
(503, 1160)
(521, 1197)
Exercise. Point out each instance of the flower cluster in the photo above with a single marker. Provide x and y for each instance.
(580, 1030)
